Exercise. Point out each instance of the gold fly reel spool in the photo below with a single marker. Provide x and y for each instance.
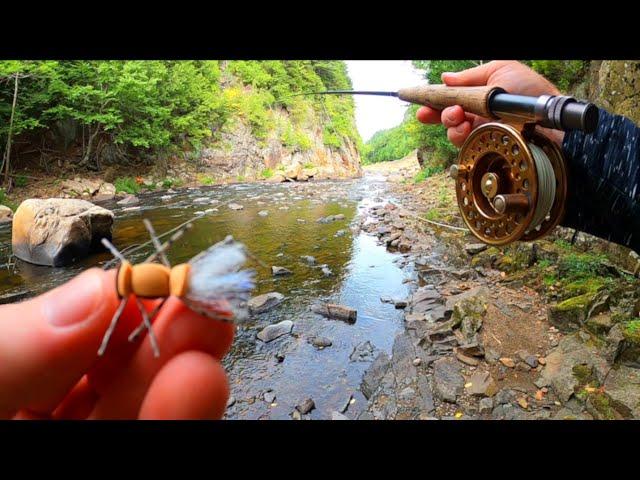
(510, 186)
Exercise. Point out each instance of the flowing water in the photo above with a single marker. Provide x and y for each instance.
(362, 272)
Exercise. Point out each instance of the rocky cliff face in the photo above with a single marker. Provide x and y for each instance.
(246, 157)
(615, 86)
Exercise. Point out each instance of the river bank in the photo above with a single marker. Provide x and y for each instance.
(546, 330)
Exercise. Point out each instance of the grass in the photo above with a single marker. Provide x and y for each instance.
(308, 165)
(205, 179)
(266, 173)
(241, 178)
(422, 175)
(6, 201)
(126, 185)
(433, 215)
(20, 181)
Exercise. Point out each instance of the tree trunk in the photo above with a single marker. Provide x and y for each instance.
(7, 154)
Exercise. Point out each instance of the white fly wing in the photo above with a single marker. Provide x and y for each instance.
(217, 286)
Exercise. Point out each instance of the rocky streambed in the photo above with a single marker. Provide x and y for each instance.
(367, 307)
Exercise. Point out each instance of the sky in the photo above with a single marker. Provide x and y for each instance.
(379, 113)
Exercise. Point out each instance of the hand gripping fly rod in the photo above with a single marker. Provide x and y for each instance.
(511, 180)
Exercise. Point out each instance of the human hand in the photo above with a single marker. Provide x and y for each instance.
(515, 77)
(49, 366)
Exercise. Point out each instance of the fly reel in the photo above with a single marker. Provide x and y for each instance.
(511, 184)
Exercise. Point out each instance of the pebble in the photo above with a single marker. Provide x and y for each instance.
(308, 259)
(263, 213)
(507, 362)
(485, 406)
(231, 401)
(269, 397)
(235, 206)
(306, 406)
(416, 362)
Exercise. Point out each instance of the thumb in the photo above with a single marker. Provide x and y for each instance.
(48, 343)
(472, 77)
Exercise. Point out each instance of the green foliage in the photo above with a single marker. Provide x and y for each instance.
(563, 73)
(266, 173)
(204, 179)
(435, 68)
(433, 215)
(580, 265)
(20, 181)
(126, 185)
(112, 111)
(425, 173)
(6, 201)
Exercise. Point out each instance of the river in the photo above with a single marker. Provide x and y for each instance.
(263, 385)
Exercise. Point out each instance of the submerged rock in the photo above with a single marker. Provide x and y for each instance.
(308, 259)
(279, 271)
(56, 231)
(129, 200)
(334, 311)
(276, 330)
(264, 302)
(235, 206)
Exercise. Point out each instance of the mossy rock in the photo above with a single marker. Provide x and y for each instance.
(468, 313)
(600, 324)
(569, 315)
(486, 258)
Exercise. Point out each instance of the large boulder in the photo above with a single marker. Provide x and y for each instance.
(57, 231)
(6, 214)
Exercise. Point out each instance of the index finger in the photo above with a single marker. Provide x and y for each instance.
(428, 115)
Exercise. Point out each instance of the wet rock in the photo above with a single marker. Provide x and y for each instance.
(448, 383)
(338, 416)
(263, 213)
(235, 206)
(231, 402)
(473, 248)
(271, 332)
(482, 384)
(374, 374)
(56, 231)
(308, 259)
(363, 352)
(128, 200)
(306, 406)
(320, 342)
(264, 302)
(334, 311)
(6, 215)
(280, 271)
(269, 397)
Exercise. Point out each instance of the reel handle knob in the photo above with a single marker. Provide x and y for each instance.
(510, 202)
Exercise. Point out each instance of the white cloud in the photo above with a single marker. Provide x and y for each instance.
(378, 113)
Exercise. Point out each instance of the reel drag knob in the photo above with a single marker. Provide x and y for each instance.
(509, 187)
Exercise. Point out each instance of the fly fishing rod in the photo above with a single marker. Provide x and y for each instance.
(511, 181)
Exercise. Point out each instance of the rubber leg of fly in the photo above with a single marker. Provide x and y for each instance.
(147, 323)
(136, 333)
(112, 327)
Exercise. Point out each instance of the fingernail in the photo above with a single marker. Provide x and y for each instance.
(74, 302)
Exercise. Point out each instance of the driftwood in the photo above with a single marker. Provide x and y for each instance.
(338, 312)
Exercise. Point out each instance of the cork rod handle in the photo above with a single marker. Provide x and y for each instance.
(471, 99)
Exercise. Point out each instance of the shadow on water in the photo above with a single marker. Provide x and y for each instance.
(362, 272)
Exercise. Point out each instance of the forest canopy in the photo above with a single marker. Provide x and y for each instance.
(106, 112)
